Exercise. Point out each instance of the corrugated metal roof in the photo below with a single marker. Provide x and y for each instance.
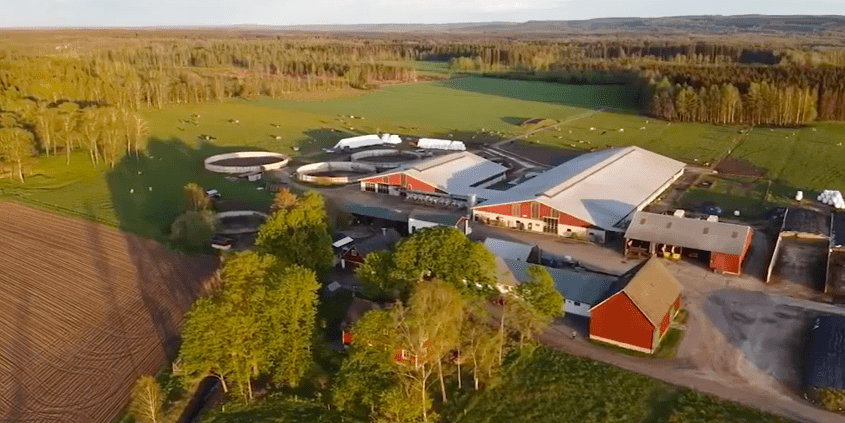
(438, 218)
(380, 241)
(504, 276)
(395, 215)
(601, 188)
(508, 249)
(653, 289)
(453, 173)
(576, 285)
(720, 237)
(825, 359)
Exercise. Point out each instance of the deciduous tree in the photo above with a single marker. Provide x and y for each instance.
(146, 401)
(298, 234)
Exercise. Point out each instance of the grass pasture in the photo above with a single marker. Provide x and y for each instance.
(555, 387)
(458, 108)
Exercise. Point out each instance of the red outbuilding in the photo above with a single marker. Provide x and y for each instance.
(723, 246)
(638, 315)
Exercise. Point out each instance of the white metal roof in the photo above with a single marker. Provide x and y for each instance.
(601, 188)
(440, 144)
(453, 173)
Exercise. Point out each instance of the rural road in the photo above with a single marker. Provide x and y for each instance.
(678, 372)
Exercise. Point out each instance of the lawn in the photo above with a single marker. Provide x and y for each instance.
(142, 195)
(809, 158)
(688, 142)
(555, 387)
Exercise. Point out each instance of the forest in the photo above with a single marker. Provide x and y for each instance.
(61, 92)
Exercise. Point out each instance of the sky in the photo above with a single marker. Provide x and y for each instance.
(56, 13)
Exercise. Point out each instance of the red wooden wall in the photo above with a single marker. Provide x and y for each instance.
(729, 263)
(725, 263)
(525, 211)
(618, 319)
(395, 180)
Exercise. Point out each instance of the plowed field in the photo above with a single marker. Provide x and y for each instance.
(84, 310)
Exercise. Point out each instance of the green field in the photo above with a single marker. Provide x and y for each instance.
(458, 108)
(555, 387)
(547, 386)
(123, 196)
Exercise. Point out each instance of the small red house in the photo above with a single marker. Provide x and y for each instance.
(638, 315)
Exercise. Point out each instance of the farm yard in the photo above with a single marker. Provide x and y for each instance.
(88, 309)
(140, 194)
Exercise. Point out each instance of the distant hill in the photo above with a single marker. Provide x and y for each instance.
(712, 24)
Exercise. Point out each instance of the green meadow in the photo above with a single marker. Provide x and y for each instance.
(141, 195)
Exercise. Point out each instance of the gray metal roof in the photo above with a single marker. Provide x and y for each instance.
(375, 211)
(720, 237)
(438, 218)
(575, 285)
(508, 249)
(380, 241)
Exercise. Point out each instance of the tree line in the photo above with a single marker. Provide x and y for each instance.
(31, 126)
(181, 71)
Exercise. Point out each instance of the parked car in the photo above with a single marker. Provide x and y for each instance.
(212, 193)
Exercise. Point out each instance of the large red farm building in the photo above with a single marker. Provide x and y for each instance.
(638, 315)
(457, 174)
(586, 197)
(722, 245)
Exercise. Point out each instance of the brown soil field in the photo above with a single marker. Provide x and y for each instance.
(86, 310)
(738, 167)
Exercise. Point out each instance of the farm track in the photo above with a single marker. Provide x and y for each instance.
(86, 309)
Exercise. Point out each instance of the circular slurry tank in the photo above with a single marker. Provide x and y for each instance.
(334, 173)
(246, 162)
(238, 221)
(385, 158)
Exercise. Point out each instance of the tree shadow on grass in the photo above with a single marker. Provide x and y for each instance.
(618, 97)
(513, 120)
(146, 191)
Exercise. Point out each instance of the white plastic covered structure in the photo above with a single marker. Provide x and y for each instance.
(367, 140)
(435, 144)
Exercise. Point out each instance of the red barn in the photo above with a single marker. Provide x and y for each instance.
(585, 197)
(457, 173)
(638, 315)
(722, 245)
